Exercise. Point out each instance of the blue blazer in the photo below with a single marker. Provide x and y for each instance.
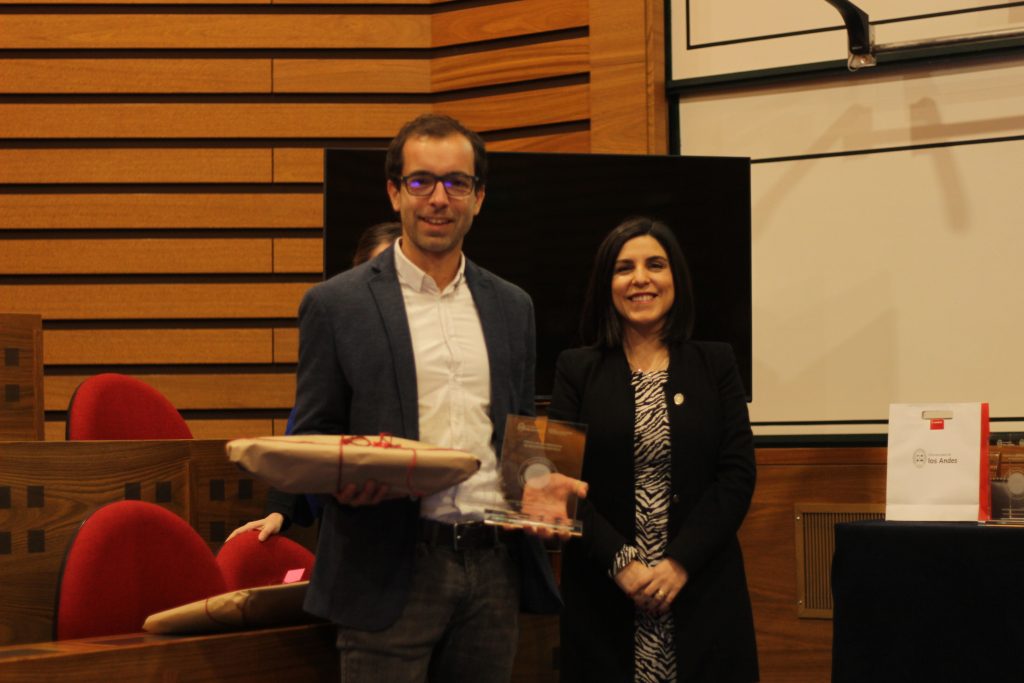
(357, 375)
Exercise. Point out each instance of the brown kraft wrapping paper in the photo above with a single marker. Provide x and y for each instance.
(260, 607)
(321, 463)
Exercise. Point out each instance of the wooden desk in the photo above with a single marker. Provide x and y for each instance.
(48, 488)
(297, 653)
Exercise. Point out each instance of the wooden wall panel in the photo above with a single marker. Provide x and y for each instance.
(120, 120)
(451, 72)
(627, 69)
(286, 345)
(169, 210)
(155, 301)
(158, 346)
(196, 392)
(520, 109)
(298, 165)
(131, 256)
(135, 165)
(505, 20)
(39, 4)
(361, 2)
(293, 255)
(67, 76)
(224, 2)
(510, 65)
(577, 142)
(359, 75)
(214, 30)
(655, 64)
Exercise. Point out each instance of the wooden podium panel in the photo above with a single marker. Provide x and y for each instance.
(21, 377)
(48, 488)
(792, 648)
(297, 653)
(223, 496)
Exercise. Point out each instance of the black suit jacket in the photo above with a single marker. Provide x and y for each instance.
(713, 476)
(357, 375)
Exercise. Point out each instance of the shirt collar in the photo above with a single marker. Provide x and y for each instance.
(413, 276)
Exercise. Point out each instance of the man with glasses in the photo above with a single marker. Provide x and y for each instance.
(420, 342)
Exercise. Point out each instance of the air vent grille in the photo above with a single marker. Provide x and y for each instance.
(815, 544)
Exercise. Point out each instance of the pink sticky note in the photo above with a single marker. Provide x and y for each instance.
(293, 575)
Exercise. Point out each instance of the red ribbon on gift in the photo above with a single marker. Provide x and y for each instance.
(383, 441)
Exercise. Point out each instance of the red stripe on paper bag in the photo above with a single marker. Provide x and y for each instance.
(984, 486)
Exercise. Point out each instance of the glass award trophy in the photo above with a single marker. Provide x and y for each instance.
(540, 468)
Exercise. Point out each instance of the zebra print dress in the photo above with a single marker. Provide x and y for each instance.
(654, 650)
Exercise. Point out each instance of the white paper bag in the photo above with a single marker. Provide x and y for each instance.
(937, 469)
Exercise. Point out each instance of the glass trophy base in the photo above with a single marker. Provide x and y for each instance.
(1005, 521)
(519, 520)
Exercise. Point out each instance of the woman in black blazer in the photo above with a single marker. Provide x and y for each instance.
(655, 590)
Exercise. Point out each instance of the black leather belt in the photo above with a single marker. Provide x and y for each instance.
(471, 536)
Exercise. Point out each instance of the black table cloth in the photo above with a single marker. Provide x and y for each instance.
(916, 601)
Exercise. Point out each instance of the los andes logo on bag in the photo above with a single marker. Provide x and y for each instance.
(923, 457)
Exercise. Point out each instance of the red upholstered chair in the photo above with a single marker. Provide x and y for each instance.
(128, 560)
(246, 563)
(115, 407)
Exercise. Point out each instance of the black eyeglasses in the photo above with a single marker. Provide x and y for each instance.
(455, 184)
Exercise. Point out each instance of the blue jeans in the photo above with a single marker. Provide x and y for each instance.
(459, 624)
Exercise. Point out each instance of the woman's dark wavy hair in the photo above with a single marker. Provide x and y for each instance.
(600, 325)
(434, 126)
(373, 237)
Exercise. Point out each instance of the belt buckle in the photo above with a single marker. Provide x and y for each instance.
(473, 535)
(457, 532)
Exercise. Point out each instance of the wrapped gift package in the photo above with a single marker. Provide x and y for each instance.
(321, 463)
(261, 607)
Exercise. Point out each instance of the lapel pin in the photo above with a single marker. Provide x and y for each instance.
(678, 399)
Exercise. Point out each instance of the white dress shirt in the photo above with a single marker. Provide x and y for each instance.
(453, 384)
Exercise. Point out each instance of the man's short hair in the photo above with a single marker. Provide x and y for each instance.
(434, 126)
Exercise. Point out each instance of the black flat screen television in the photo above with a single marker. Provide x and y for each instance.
(545, 214)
